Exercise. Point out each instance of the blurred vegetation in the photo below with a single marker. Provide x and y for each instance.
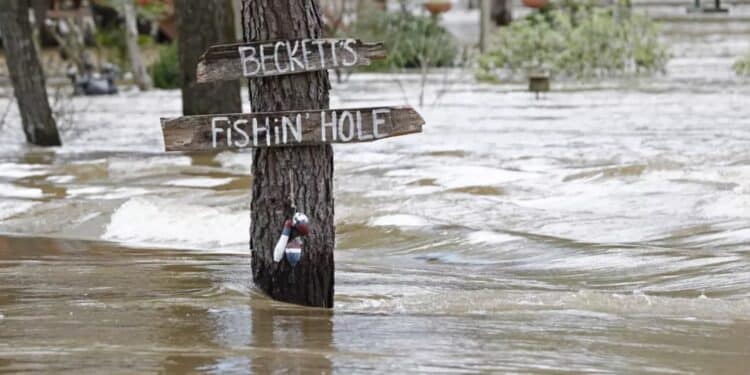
(148, 9)
(578, 40)
(113, 47)
(413, 41)
(166, 70)
(742, 66)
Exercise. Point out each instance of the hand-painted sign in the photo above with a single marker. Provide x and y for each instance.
(274, 58)
(285, 129)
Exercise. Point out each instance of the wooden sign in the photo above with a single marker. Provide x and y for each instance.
(285, 129)
(274, 58)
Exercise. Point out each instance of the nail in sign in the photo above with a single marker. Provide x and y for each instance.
(283, 57)
(285, 129)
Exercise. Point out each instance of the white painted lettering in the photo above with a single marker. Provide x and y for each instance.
(306, 53)
(360, 135)
(354, 56)
(321, 51)
(276, 57)
(250, 64)
(214, 130)
(264, 57)
(333, 52)
(296, 129)
(246, 139)
(257, 129)
(324, 125)
(346, 115)
(293, 53)
(376, 122)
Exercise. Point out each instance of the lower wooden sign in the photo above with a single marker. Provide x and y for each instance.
(285, 129)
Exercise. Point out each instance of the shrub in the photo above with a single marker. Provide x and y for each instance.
(166, 70)
(577, 41)
(412, 41)
(742, 66)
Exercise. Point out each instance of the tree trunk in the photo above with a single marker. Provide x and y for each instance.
(306, 172)
(502, 12)
(26, 74)
(142, 79)
(202, 24)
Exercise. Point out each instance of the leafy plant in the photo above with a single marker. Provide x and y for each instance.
(112, 42)
(412, 41)
(166, 70)
(742, 66)
(577, 40)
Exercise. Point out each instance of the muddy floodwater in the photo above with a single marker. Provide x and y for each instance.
(602, 228)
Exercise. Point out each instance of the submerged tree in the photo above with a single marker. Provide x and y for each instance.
(286, 177)
(26, 74)
(202, 24)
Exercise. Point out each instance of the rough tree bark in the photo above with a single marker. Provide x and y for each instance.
(26, 74)
(202, 24)
(305, 171)
(142, 79)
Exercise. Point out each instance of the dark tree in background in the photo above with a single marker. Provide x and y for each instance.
(202, 24)
(26, 73)
(306, 172)
(502, 12)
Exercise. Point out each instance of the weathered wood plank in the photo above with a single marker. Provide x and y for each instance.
(282, 57)
(285, 129)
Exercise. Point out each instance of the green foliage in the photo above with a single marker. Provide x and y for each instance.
(166, 70)
(742, 66)
(112, 43)
(578, 40)
(412, 41)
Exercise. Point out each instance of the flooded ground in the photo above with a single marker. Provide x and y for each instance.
(603, 228)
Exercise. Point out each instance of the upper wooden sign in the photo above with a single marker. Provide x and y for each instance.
(284, 129)
(266, 59)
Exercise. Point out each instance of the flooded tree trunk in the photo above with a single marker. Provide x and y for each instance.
(306, 172)
(26, 74)
(142, 79)
(202, 24)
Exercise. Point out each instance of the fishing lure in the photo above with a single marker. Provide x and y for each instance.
(290, 242)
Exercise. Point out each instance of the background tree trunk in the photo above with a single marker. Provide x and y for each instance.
(202, 24)
(140, 74)
(310, 282)
(26, 74)
(502, 12)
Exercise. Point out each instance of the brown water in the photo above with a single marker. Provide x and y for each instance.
(81, 306)
(604, 228)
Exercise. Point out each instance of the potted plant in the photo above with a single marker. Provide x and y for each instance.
(437, 7)
(536, 4)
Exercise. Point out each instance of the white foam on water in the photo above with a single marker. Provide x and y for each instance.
(490, 237)
(84, 191)
(154, 220)
(147, 166)
(238, 162)
(400, 220)
(105, 192)
(11, 207)
(453, 177)
(583, 302)
(199, 182)
(63, 179)
(13, 191)
(16, 171)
